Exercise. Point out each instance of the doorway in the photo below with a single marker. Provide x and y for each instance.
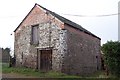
(45, 60)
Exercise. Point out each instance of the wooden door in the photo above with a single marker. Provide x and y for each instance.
(46, 60)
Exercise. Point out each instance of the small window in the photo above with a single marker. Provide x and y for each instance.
(34, 34)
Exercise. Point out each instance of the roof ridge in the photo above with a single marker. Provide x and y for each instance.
(67, 21)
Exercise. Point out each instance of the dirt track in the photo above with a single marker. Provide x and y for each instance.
(15, 75)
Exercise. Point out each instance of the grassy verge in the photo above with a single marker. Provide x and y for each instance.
(32, 72)
(51, 74)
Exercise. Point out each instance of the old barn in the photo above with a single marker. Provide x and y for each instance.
(47, 41)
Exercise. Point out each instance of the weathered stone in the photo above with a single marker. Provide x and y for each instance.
(73, 51)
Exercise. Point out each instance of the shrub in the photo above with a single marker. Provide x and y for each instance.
(111, 52)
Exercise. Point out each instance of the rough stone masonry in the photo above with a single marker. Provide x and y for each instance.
(74, 49)
(50, 35)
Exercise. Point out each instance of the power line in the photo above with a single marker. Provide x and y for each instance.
(105, 15)
(92, 15)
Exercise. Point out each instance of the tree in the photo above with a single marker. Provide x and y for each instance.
(111, 52)
(5, 55)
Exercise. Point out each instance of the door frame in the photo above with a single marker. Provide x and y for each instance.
(39, 56)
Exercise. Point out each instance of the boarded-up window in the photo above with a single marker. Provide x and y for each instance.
(34, 35)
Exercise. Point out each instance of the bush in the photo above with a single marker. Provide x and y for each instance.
(111, 52)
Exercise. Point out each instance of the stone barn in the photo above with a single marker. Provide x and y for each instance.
(47, 41)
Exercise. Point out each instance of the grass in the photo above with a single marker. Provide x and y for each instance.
(99, 74)
(0, 67)
(24, 71)
(52, 74)
(33, 72)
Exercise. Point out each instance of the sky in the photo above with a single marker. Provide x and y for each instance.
(12, 13)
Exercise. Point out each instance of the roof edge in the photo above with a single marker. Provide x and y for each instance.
(62, 19)
(89, 33)
(25, 17)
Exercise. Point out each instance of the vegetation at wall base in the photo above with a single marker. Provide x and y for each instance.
(32, 72)
(52, 74)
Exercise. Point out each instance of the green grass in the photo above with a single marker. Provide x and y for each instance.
(33, 72)
(51, 74)
(24, 71)
(102, 74)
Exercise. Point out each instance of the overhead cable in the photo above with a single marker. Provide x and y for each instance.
(92, 15)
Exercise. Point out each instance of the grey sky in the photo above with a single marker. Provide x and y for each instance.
(13, 11)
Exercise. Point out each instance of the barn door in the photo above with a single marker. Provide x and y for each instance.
(46, 60)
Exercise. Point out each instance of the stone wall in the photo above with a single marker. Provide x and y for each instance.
(22, 46)
(73, 51)
(50, 35)
(83, 53)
